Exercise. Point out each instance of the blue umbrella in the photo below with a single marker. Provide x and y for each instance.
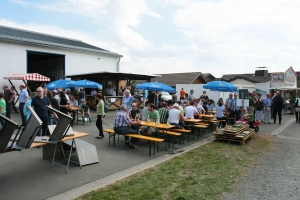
(85, 84)
(59, 83)
(155, 86)
(220, 86)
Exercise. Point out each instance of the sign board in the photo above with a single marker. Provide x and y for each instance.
(277, 80)
(243, 94)
(290, 78)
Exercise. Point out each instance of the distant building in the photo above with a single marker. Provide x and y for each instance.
(182, 78)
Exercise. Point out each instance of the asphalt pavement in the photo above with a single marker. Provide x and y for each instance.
(26, 175)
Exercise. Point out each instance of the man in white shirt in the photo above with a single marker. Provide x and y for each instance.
(228, 103)
(109, 91)
(57, 96)
(114, 92)
(199, 107)
(175, 116)
(93, 92)
(190, 110)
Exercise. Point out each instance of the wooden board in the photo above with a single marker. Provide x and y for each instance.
(241, 137)
(238, 129)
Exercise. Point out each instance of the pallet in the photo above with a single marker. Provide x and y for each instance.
(240, 128)
(241, 137)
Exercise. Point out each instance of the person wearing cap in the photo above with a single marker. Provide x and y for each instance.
(175, 116)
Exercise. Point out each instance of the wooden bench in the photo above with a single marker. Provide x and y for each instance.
(111, 134)
(184, 131)
(231, 119)
(151, 140)
(171, 133)
(200, 128)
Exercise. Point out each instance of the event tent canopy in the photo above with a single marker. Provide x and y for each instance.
(27, 77)
(24, 78)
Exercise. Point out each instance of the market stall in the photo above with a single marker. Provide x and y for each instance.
(25, 78)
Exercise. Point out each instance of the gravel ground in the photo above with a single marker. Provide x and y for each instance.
(276, 174)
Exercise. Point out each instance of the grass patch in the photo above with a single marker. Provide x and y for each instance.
(203, 173)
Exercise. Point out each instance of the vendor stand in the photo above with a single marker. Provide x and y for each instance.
(25, 78)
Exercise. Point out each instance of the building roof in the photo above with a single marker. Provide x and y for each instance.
(24, 36)
(249, 77)
(178, 78)
(209, 77)
(111, 75)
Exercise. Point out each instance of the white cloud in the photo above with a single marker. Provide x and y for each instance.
(219, 37)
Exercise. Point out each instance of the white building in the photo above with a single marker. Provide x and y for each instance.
(23, 51)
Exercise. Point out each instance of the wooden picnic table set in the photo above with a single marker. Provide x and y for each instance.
(164, 133)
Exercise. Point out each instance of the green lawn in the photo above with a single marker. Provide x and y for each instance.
(203, 173)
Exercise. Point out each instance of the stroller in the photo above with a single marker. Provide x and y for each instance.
(245, 120)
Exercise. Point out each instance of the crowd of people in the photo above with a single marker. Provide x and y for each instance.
(156, 109)
(174, 112)
(59, 99)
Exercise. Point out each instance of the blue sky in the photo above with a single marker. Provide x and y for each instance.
(165, 36)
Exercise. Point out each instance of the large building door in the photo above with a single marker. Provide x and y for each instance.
(47, 64)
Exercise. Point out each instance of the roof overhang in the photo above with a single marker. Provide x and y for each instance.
(50, 44)
(112, 75)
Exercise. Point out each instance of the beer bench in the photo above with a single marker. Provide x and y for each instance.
(151, 140)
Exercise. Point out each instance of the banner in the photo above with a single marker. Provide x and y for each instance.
(277, 80)
(288, 79)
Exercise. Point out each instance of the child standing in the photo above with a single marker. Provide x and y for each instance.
(85, 112)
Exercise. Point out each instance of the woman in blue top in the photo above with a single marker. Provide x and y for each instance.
(127, 99)
(28, 103)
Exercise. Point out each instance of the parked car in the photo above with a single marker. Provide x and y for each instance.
(165, 96)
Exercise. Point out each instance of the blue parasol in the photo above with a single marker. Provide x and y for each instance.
(155, 86)
(220, 86)
(63, 83)
(85, 84)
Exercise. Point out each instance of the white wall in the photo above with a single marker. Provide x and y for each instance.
(13, 59)
(243, 84)
(198, 90)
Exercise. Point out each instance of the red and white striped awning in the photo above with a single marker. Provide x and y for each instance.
(28, 77)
